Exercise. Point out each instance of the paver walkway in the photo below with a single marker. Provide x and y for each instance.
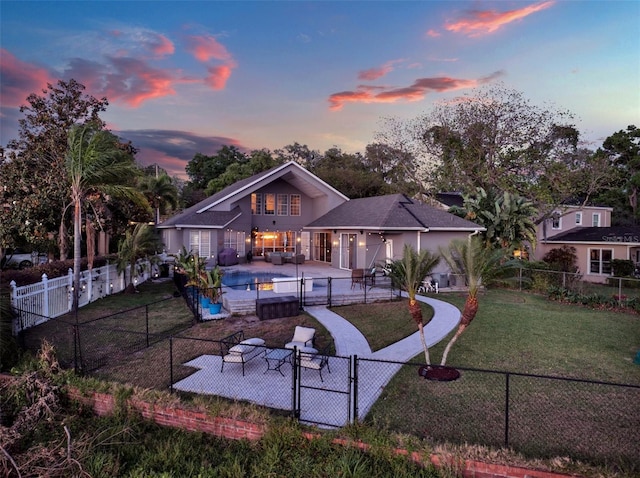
(349, 341)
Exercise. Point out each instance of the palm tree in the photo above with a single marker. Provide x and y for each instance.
(160, 192)
(478, 264)
(136, 244)
(95, 164)
(408, 274)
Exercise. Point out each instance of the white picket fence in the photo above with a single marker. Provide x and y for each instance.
(50, 298)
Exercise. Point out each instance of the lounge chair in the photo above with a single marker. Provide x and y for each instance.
(302, 337)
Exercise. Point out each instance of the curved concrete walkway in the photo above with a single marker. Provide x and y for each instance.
(350, 341)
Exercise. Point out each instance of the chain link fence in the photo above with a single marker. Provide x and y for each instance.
(539, 416)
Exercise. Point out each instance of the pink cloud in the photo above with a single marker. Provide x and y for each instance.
(160, 46)
(218, 76)
(129, 80)
(204, 48)
(415, 92)
(433, 33)
(20, 79)
(377, 72)
(481, 22)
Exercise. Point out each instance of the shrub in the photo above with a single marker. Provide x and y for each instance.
(622, 267)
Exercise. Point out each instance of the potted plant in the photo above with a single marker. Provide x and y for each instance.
(213, 289)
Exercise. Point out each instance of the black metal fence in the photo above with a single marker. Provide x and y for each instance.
(536, 415)
(110, 339)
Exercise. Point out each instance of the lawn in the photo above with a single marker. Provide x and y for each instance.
(514, 331)
(523, 333)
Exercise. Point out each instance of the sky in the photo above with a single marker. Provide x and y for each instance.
(187, 77)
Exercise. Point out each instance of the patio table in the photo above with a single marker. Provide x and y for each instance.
(276, 358)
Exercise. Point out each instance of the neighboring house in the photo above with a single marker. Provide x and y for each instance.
(589, 230)
(288, 209)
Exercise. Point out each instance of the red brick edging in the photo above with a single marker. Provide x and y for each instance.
(105, 404)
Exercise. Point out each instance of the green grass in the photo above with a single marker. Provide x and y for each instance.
(525, 333)
(383, 323)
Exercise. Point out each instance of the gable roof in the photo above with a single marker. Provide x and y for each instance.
(204, 213)
(391, 212)
(626, 234)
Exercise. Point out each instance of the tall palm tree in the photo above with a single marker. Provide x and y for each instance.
(95, 164)
(136, 244)
(478, 264)
(160, 192)
(408, 274)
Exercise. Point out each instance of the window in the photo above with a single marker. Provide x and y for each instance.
(295, 205)
(578, 218)
(269, 204)
(200, 243)
(256, 204)
(235, 240)
(283, 204)
(556, 222)
(596, 219)
(600, 261)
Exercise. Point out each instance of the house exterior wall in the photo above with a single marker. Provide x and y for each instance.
(570, 217)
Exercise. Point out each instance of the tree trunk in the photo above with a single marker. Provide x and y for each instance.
(416, 311)
(77, 251)
(468, 314)
(470, 310)
(427, 359)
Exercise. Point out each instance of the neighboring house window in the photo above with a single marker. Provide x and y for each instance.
(269, 204)
(283, 204)
(600, 261)
(295, 205)
(235, 240)
(596, 219)
(578, 218)
(200, 243)
(256, 204)
(556, 222)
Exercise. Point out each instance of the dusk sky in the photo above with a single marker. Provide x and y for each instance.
(184, 77)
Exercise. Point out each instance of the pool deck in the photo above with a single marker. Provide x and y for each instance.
(240, 301)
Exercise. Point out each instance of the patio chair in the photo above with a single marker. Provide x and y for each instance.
(302, 337)
(312, 359)
(277, 259)
(357, 277)
(236, 349)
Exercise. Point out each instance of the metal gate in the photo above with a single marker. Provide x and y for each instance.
(325, 397)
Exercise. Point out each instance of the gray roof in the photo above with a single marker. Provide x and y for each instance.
(628, 234)
(391, 212)
(202, 213)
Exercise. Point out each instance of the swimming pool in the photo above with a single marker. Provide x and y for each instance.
(240, 280)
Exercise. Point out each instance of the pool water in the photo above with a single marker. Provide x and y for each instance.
(240, 280)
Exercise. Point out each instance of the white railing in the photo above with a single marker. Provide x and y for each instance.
(50, 298)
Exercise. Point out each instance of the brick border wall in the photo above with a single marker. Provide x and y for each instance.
(105, 404)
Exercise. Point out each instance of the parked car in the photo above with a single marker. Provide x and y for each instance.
(19, 259)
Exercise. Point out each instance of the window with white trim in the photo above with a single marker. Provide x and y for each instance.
(295, 205)
(600, 261)
(269, 204)
(596, 219)
(200, 243)
(256, 204)
(578, 218)
(283, 204)
(556, 221)
(235, 240)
